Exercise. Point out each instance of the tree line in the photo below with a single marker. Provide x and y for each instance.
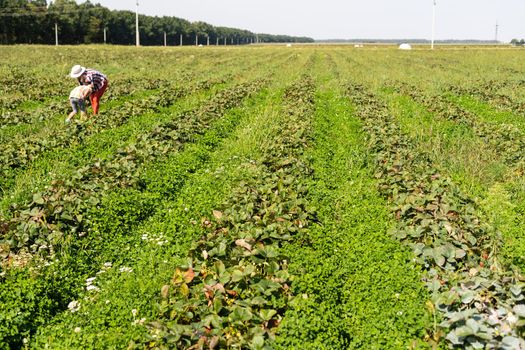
(34, 21)
(517, 42)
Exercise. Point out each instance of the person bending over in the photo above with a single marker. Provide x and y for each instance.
(97, 80)
(77, 98)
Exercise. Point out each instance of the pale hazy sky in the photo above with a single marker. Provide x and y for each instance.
(325, 19)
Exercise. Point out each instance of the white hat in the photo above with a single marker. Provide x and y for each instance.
(77, 71)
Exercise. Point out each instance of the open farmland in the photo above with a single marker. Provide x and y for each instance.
(314, 197)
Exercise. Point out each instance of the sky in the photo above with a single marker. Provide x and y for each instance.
(350, 19)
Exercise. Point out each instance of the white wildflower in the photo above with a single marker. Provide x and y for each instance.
(125, 269)
(77, 329)
(141, 321)
(108, 265)
(134, 312)
(90, 280)
(73, 306)
(92, 288)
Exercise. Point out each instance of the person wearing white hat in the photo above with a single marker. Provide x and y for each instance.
(97, 80)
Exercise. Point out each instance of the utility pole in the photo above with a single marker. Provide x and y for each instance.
(208, 40)
(433, 25)
(180, 40)
(497, 28)
(56, 34)
(196, 39)
(137, 35)
(104, 35)
(165, 39)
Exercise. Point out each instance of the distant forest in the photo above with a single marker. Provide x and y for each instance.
(33, 22)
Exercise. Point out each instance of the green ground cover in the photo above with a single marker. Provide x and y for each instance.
(314, 197)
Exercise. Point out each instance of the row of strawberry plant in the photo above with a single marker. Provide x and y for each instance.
(123, 87)
(490, 91)
(27, 88)
(58, 212)
(358, 286)
(82, 153)
(508, 140)
(148, 248)
(50, 88)
(175, 184)
(479, 299)
(492, 158)
(119, 88)
(47, 81)
(234, 288)
(20, 152)
(121, 179)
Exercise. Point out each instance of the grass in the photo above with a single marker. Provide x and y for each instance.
(354, 286)
(450, 145)
(476, 166)
(110, 325)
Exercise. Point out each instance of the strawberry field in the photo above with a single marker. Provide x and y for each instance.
(264, 198)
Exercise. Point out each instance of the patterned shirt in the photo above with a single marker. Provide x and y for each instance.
(92, 76)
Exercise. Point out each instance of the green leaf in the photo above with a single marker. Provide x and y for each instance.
(519, 310)
(468, 297)
(460, 253)
(237, 275)
(473, 325)
(219, 267)
(37, 198)
(258, 342)
(267, 314)
(241, 314)
(510, 343)
(439, 258)
(515, 290)
(464, 331)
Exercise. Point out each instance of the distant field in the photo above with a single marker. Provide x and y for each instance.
(264, 197)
